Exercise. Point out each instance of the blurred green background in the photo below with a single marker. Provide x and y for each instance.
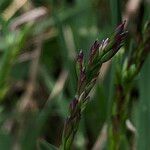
(39, 40)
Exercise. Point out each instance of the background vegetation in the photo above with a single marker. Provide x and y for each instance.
(39, 40)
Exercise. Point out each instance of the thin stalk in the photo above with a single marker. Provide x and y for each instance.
(124, 85)
(117, 130)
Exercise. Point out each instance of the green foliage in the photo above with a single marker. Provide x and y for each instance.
(34, 103)
(143, 121)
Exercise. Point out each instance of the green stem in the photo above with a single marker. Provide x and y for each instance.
(117, 128)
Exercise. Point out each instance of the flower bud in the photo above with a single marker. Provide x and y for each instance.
(93, 52)
(79, 63)
(120, 28)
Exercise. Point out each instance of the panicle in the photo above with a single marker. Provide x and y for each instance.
(80, 56)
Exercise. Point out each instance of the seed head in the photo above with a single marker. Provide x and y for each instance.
(80, 56)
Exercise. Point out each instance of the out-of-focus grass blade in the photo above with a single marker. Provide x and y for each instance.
(38, 121)
(15, 42)
(116, 14)
(115, 7)
(96, 113)
(5, 141)
(43, 145)
(59, 100)
(48, 81)
(143, 111)
(143, 122)
(62, 16)
(4, 4)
